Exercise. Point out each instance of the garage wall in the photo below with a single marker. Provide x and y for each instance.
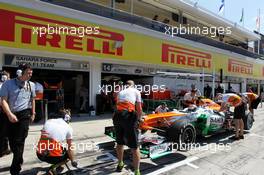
(176, 85)
(144, 81)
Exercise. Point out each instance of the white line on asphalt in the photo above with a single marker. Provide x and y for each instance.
(224, 139)
(175, 165)
(192, 165)
(252, 134)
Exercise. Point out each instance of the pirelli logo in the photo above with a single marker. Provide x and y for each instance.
(187, 57)
(241, 67)
(17, 28)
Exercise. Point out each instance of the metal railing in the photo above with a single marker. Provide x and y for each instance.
(119, 15)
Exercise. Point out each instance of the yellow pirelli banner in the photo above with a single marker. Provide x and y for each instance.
(35, 30)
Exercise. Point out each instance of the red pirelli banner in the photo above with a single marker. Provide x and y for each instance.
(241, 67)
(44, 32)
(28, 27)
(185, 57)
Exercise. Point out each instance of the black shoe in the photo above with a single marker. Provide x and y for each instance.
(241, 137)
(119, 168)
(6, 152)
(234, 138)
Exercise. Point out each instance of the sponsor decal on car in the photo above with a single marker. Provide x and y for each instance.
(156, 150)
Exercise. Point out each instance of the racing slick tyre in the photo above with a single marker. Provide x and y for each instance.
(183, 137)
(248, 121)
(187, 137)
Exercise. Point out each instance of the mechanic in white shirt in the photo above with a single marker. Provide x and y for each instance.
(190, 98)
(126, 122)
(197, 91)
(162, 108)
(55, 133)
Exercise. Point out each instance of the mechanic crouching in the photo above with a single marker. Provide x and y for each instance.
(126, 122)
(54, 133)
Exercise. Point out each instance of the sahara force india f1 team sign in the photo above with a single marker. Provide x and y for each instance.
(24, 28)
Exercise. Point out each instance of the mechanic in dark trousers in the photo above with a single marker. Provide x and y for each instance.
(239, 114)
(126, 122)
(253, 102)
(17, 96)
(4, 150)
(238, 101)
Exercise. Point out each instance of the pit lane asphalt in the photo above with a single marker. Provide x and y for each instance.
(217, 155)
(243, 157)
(240, 157)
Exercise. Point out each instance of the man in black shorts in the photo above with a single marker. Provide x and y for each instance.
(253, 101)
(126, 122)
(239, 114)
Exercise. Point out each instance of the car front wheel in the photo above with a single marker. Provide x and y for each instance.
(187, 137)
(248, 121)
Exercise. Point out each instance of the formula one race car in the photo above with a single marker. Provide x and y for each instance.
(183, 126)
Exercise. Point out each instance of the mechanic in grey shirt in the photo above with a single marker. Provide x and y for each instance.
(18, 102)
